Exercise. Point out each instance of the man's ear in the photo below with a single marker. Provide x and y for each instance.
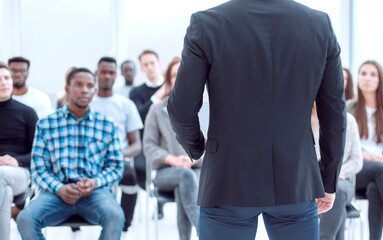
(66, 88)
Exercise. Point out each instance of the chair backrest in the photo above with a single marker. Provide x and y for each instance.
(360, 195)
(162, 196)
(353, 210)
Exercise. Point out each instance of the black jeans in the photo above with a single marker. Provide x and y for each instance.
(370, 182)
(128, 201)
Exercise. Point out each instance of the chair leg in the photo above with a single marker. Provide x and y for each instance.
(361, 222)
(160, 212)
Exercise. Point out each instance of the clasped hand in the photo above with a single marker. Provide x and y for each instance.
(71, 193)
(179, 161)
(8, 160)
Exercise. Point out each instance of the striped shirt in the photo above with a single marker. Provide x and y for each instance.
(65, 149)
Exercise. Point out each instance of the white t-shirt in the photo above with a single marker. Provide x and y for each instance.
(37, 100)
(124, 91)
(122, 111)
(369, 145)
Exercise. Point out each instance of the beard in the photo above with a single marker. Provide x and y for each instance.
(129, 82)
(106, 88)
(18, 85)
(80, 106)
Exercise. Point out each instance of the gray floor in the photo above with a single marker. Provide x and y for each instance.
(143, 228)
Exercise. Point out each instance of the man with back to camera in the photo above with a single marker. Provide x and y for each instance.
(27, 95)
(76, 159)
(275, 57)
(144, 96)
(128, 71)
(126, 118)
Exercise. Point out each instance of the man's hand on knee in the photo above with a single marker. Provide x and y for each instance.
(325, 203)
(69, 193)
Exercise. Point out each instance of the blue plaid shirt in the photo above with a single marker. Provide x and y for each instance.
(66, 149)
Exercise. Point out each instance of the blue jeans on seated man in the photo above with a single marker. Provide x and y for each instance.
(48, 209)
(285, 222)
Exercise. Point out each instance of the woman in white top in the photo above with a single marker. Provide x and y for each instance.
(368, 112)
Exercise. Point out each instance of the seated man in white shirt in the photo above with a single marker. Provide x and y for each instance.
(127, 119)
(28, 95)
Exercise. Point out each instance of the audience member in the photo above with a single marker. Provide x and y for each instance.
(151, 91)
(175, 171)
(144, 96)
(76, 158)
(61, 96)
(128, 71)
(17, 126)
(368, 112)
(126, 118)
(348, 84)
(332, 223)
(27, 95)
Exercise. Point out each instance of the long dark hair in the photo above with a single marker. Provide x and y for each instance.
(349, 90)
(360, 110)
(168, 75)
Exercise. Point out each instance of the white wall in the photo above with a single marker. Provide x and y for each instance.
(339, 13)
(56, 35)
(157, 25)
(61, 33)
(368, 33)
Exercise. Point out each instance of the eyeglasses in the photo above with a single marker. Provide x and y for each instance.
(14, 71)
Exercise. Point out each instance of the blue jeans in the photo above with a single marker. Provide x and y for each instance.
(48, 209)
(285, 222)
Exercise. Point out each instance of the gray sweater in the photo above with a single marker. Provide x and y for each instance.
(352, 158)
(159, 138)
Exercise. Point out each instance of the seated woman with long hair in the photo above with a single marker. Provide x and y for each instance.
(348, 84)
(368, 112)
(175, 171)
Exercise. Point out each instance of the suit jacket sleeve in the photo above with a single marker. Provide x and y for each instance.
(186, 98)
(331, 107)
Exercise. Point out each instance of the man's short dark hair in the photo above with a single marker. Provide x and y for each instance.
(130, 62)
(73, 73)
(147, 51)
(19, 59)
(107, 59)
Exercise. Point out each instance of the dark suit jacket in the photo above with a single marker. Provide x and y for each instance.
(264, 63)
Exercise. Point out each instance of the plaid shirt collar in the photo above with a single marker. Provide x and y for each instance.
(89, 116)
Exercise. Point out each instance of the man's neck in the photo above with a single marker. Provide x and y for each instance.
(105, 93)
(5, 99)
(154, 80)
(78, 112)
(20, 91)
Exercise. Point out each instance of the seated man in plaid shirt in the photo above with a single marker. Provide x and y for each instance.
(76, 158)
